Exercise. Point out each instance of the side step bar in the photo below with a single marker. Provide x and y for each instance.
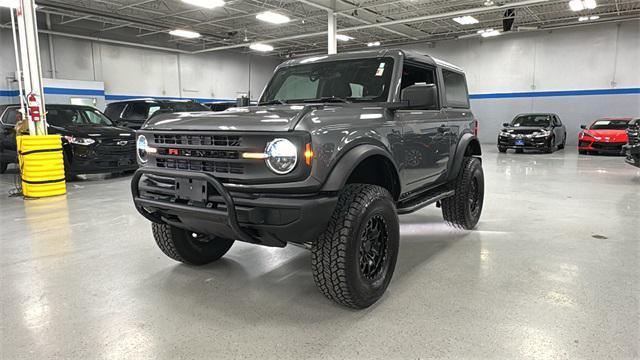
(426, 200)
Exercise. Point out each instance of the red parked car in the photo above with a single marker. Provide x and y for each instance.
(604, 136)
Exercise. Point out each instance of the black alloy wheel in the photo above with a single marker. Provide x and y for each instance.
(373, 247)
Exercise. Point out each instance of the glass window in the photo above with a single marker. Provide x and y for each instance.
(610, 125)
(95, 117)
(10, 116)
(533, 120)
(137, 111)
(455, 87)
(153, 109)
(186, 106)
(113, 111)
(344, 80)
(412, 75)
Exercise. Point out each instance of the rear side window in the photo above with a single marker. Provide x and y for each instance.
(455, 86)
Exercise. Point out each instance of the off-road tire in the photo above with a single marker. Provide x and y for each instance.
(3, 167)
(502, 149)
(338, 255)
(180, 245)
(458, 210)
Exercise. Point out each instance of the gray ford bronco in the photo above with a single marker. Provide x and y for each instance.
(336, 149)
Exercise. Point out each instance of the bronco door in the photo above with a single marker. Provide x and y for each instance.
(425, 142)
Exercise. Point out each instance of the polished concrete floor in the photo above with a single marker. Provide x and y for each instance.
(553, 272)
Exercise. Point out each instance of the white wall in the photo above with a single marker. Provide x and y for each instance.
(595, 57)
(130, 71)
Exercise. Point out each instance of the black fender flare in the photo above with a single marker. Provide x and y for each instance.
(348, 162)
(461, 150)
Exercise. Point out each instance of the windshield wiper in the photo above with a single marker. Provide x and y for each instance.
(273, 102)
(327, 99)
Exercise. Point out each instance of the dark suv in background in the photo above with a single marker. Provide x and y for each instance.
(133, 113)
(533, 132)
(326, 161)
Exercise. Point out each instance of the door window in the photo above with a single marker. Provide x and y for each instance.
(10, 116)
(412, 75)
(455, 86)
(113, 111)
(137, 111)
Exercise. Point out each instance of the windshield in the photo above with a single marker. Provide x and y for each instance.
(610, 125)
(76, 116)
(345, 80)
(186, 107)
(532, 120)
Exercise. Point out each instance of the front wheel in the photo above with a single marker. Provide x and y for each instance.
(3, 167)
(354, 259)
(502, 149)
(188, 247)
(463, 209)
(550, 147)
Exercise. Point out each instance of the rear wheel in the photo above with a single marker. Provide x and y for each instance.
(463, 209)
(3, 167)
(188, 247)
(502, 149)
(354, 259)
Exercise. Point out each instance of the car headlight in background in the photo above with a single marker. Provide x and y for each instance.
(79, 141)
(142, 149)
(281, 156)
(543, 133)
(504, 134)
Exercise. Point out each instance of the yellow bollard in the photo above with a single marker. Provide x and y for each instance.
(41, 165)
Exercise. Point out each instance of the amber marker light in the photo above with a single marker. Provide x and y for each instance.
(308, 154)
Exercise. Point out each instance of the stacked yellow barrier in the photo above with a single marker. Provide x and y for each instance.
(41, 165)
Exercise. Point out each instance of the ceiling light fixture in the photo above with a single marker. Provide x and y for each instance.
(489, 3)
(185, 33)
(373, 44)
(208, 4)
(579, 5)
(583, 18)
(273, 17)
(466, 20)
(343, 37)
(489, 33)
(261, 47)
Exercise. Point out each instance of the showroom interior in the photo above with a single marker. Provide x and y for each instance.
(462, 181)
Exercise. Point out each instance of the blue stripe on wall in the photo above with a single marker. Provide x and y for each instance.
(555, 93)
(532, 94)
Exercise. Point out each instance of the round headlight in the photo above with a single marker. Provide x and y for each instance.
(282, 156)
(142, 146)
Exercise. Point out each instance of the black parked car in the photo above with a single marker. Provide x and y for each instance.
(220, 106)
(90, 141)
(133, 113)
(336, 149)
(632, 149)
(533, 132)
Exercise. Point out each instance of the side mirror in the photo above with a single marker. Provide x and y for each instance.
(420, 96)
(506, 124)
(584, 127)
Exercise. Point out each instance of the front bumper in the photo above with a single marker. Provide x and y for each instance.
(82, 159)
(601, 147)
(528, 143)
(265, 219)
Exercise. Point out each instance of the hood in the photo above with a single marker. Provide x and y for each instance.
(609, 135)
(94, 132)
(253, 118)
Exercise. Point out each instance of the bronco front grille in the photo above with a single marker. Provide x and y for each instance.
(204, 140)
(221, 167)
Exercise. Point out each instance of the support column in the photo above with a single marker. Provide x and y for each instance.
(31, 68)
(332, 43)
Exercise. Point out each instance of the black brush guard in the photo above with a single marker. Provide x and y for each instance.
(230, 214)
